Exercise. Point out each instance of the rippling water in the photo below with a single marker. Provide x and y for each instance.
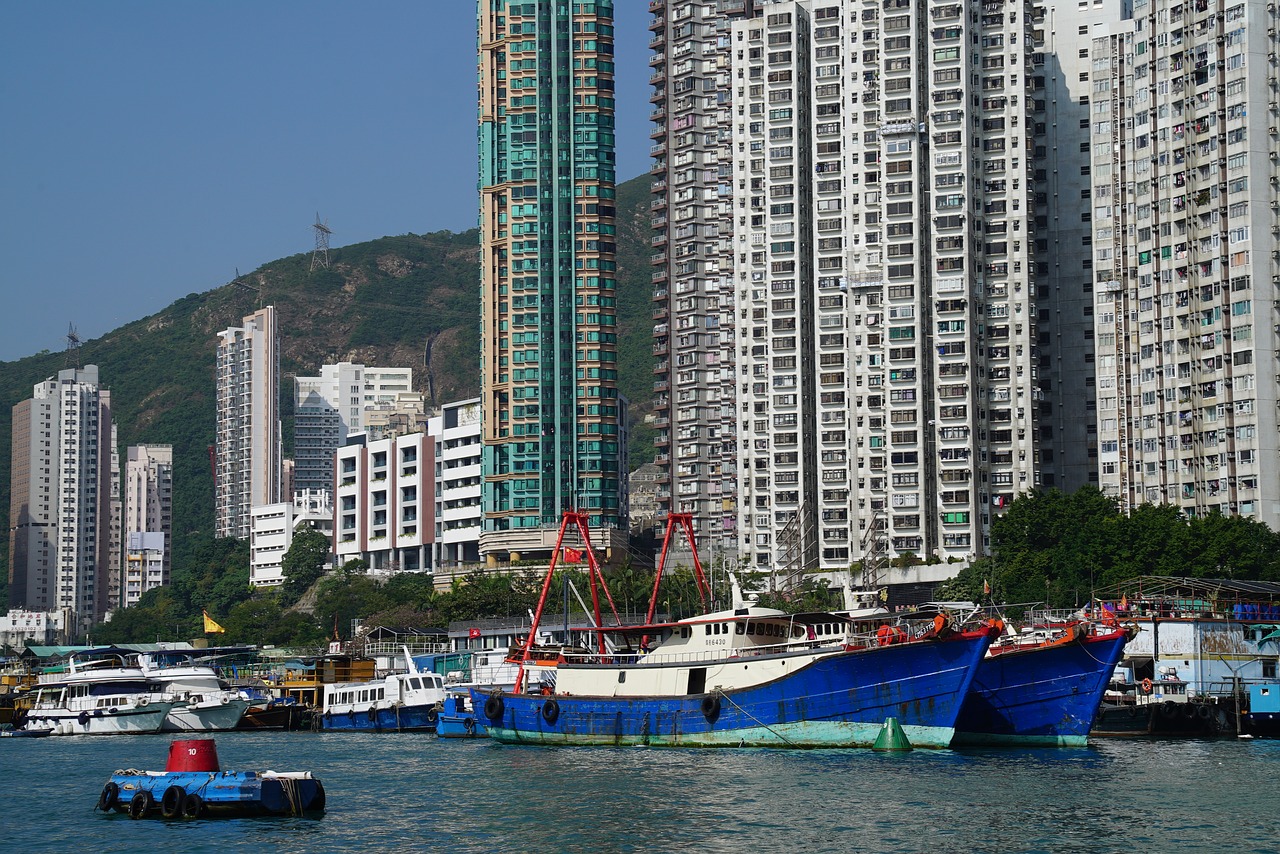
(413, 792)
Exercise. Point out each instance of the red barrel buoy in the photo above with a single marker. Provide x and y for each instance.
(195, 755)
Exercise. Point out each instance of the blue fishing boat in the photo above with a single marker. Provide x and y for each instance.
(1044, 690)
(399, 702)
(748, 676)
(458, 718)
(193, 785)
(743, 677)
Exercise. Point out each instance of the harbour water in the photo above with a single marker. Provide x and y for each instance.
(416, 793)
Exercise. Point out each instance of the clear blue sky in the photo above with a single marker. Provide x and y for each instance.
(149, 149)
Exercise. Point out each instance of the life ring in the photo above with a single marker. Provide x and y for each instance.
(432, 715)
(1147, 686)
(110, 797)
(710, 707)
(550, 711)
(494, 707)
(192, 806)
(171, 801)
(140, 805)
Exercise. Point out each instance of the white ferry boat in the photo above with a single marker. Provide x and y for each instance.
(103, 692)
(201, 701)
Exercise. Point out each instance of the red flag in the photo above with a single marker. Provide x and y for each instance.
(473, 633)
(573, 556)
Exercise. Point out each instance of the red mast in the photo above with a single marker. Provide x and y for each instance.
(579, 521)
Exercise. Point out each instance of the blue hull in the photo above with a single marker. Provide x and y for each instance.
(210, 794)
(1042, 696)
(841, 700)
(402, 719)
(461, 726)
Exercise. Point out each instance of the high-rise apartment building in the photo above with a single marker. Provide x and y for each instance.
(147, 520)
(553, 421)
(330, 407)
(1183, 137)
(64, 488)
(692, 217)
(1060, 93)
(887, 344)
(247, 444)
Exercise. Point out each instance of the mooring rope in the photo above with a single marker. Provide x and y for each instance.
(725, 696)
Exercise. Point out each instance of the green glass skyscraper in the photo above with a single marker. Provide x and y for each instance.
(554, 434)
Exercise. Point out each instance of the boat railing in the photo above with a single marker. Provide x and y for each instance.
(396, 648)
(658, 657)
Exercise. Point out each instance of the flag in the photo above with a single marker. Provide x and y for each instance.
(573, 556)
(1124, 602)
(210, 627)
(473, 634)
(986, 587)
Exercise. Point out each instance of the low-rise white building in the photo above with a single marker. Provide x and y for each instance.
(272, 530)
(21, 627)
(146, 564)
(412, 503)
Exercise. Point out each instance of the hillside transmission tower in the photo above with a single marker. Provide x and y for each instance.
(320, 255)
(72, 358)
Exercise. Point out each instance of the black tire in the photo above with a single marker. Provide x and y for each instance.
(711, 707)
(1169, 709)
(110, 797)
(432, 715)
(551, 711)
(494, 707)
(1205, 713)
(140, 805)
(171, 801)
(192, 806)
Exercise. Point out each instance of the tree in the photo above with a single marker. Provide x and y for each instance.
(303, 565)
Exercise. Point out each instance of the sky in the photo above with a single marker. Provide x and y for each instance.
(149, 150)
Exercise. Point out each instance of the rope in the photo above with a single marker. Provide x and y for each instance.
(725, 696)
(289, 787)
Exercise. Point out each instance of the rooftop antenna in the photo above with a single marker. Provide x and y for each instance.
(320, 255)
(73, 347)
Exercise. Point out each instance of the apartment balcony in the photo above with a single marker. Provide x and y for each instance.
(660, 312)
(657, 7)
(659, 39)
(658, 276)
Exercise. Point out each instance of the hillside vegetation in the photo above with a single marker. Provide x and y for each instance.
(411, 300)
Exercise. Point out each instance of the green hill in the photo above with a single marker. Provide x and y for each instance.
(411, 300)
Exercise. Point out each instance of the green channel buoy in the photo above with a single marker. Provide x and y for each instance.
(891, 737)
